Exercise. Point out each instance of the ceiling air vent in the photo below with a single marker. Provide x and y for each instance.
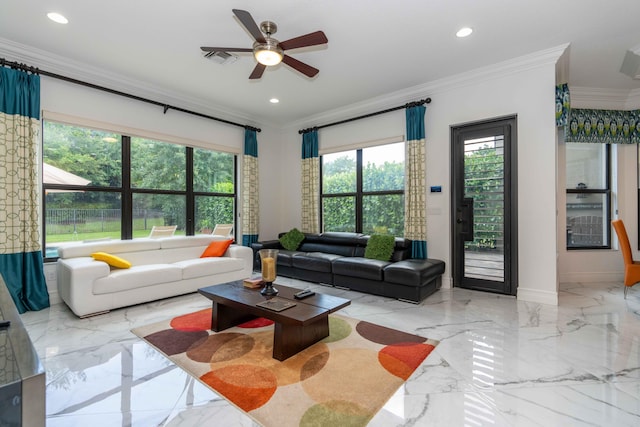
(631, 63)
(221, 57)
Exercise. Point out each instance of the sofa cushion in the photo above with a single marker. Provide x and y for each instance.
(380, 247)
(285, 257)
(137, 276)
(413, 272)
(291, 240)
(112, 260)
(316, 261)
(364, 268)
(216, 248)
(200, 267)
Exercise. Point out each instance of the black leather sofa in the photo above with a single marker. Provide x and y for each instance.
(337, 259)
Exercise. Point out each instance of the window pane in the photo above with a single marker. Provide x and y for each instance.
(339, 213)
(157, 165)
(586, 219)
(211, 210)
(339, 173)
(79, 216)
(79, 156)
(383, 214)
(383, 167)
(157, 209)
(213, 171)
(586, 165)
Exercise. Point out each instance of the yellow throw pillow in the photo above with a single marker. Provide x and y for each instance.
(112, 260)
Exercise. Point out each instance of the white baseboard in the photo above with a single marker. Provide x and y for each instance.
(591, 277)
(537, 295)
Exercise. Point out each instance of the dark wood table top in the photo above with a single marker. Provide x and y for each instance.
(306, 311)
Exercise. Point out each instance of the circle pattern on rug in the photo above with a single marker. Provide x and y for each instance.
(172, 341)
(198, 321)
(220, 347)
(339, 329)
(402, 359)
(247, 386)
(335, 413)
(385, 336)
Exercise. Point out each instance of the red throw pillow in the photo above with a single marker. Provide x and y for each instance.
(216, 248)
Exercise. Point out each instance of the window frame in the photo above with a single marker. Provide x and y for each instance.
(127, 192)
(359, 194)
(607, 211)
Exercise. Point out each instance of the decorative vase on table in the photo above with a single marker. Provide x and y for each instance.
(268, 260)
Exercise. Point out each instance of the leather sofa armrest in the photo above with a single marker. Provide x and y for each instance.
(267, 244)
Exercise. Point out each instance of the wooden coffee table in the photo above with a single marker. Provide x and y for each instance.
(296, 328)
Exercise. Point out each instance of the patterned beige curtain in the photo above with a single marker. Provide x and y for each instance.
(310, 183)
(21, 263)
(415, 216)
(250, 201)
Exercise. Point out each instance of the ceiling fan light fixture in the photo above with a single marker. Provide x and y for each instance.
(268, 53)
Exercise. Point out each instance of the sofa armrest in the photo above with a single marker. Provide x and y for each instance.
(75, 281)
(244, 253)
(267, 244)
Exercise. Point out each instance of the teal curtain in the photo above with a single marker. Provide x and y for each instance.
(310, 221)
(603, 126)
(563, 104)
(415, 187)
(21, 262)
(250, 200)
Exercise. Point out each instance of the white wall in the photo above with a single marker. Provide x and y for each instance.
(528, 92)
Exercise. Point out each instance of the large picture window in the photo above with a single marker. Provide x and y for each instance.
(588, 196)
(101, 185)
(363, 190)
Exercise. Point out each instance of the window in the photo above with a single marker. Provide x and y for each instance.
(363, 190)
(89, 175)
(588, 196)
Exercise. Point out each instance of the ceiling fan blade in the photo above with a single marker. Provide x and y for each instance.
(250, 24)
(257, 72)
(225, 49)
(311, 39)
(305, 69)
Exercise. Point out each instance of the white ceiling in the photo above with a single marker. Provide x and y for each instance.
(376, 47)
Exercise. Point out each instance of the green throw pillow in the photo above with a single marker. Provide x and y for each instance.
(380, 247)
(292, 239)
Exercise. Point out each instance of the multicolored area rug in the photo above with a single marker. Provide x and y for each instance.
(342, 380)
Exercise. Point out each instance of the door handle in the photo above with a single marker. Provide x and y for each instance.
(459, 220)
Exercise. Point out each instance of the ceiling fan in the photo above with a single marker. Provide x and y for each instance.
(269, 51)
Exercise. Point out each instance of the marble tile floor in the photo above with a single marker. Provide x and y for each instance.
(500, 362)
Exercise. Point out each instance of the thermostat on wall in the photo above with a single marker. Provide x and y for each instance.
(436, 189)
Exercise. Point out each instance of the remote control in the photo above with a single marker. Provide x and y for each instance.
(303, 294)
(5, 324)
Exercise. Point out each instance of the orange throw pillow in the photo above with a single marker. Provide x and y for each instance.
(216, 248)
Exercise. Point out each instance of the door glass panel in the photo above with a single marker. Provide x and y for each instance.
(484, 183)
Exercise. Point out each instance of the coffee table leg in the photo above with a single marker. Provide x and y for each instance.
(292, 339)
(223, 317)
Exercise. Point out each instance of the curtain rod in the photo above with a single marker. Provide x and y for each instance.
(166, 107)
(407, 105)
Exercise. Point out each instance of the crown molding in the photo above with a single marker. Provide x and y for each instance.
(604, 99)
(56, 64)
(431, 89)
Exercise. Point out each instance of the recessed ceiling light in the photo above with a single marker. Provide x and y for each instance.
(274, 100)
(56, 17)
(464, 32)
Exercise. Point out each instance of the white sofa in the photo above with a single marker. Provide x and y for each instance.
(160, 268)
